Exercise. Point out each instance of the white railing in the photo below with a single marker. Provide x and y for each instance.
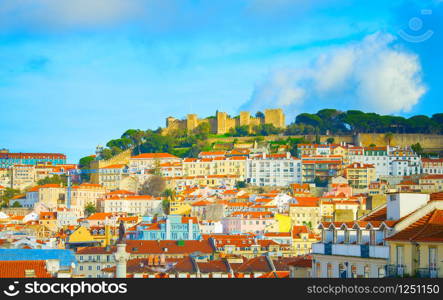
(379, 251)
(346, 250)
(318, 248)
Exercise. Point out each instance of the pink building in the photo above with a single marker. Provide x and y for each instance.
(248, 222)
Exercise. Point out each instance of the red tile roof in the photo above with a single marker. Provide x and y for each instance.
(18, 268)
(427, 229)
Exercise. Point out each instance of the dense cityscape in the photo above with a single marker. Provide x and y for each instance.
(247, 198)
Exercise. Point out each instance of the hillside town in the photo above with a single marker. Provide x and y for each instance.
(326, 210)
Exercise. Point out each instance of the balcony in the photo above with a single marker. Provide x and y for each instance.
(427, 273)
(367, 251)
(395, 270)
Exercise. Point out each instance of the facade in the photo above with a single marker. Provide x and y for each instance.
(416, 249)
(305, 211)
(151, 161)
(23, 176)
(111, 177)
(141, 205)
(254, 222)
(321, 167)
(359, 175)
(173, 227)
(432, 165)
(86, 193)
(364, 248)
(273, 170)
(215, 166)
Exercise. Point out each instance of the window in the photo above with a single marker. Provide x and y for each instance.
(432, 258)
(399, 255)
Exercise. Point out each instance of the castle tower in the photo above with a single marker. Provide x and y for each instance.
(170, 121)
(245, 118)
(191, 122)
(275, 117)
(221, 122)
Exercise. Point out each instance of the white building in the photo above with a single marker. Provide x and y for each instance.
(210, 227)
(137, 205)
(151, 161)
(432, 165)
(274, 170)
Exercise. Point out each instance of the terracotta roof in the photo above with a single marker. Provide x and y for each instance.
(429, 228)
(306, 202)
(256, 264)
(99, 216)
(213, 266)
(276, 274)
(434, 176)
(302, 262)
(116, 166)
(156, 247)
(19, 268)
(378, 215)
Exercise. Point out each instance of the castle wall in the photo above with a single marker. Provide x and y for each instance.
(222, 123)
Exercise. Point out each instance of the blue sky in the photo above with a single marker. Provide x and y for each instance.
(75, 74)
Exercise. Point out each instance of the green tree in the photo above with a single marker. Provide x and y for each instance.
(9, 194)
(55, 179)
(168, 193)
(309, 119)
(417, 148)
(90, 209)
(85, 164)
(260, 115)
(266, 129)
(16, 204)
(202, 131)
(388, 138)
(166, 204)
(320, 182)
(330, 140)
(241, 184)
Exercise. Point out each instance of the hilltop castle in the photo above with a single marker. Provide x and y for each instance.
(222, 122)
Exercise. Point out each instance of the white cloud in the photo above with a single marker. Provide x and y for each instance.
(372, 75)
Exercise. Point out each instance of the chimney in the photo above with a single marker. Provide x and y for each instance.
(402, 204)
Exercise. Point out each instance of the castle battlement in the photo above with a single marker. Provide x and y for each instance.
(222, 123)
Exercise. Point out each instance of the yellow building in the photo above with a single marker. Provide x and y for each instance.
(360, 175)
(235, 165)
(86, 193)
(284, 222)
(102, 235)
(417, 250)
(305, 212)
(48, 220)
(302, 240)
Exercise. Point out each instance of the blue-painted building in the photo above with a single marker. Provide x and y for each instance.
(66, 258)
(172, 227)
(8, 160)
